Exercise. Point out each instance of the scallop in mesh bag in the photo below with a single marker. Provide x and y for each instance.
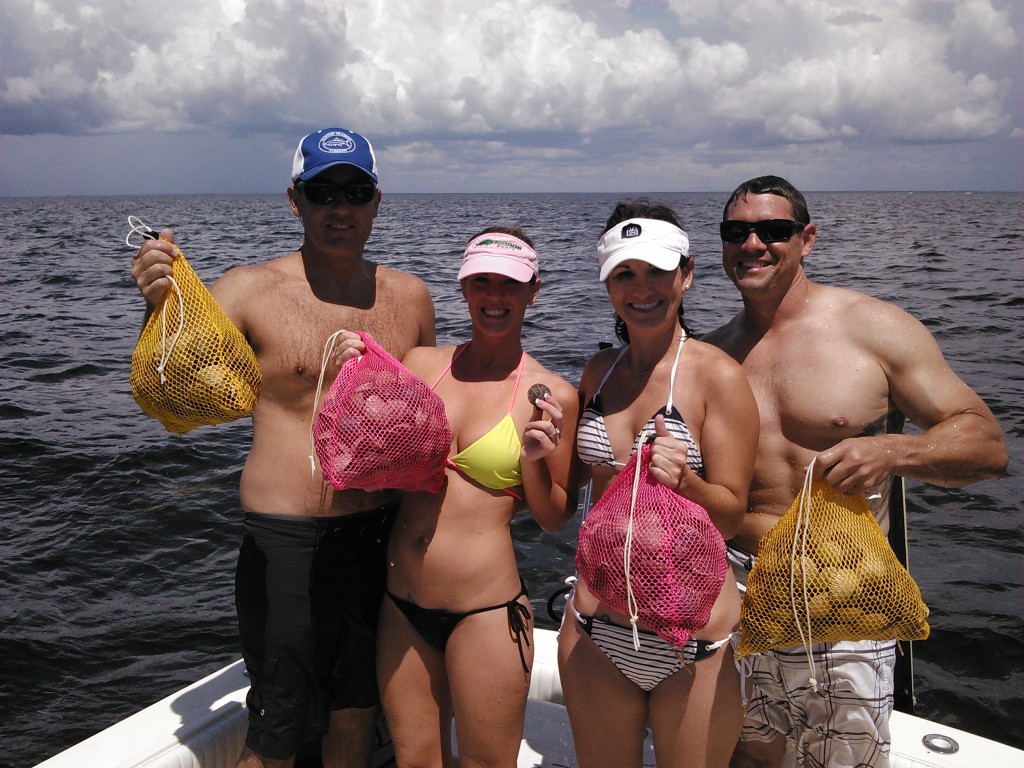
(191, 366)
(824, 573)
(380, 426)
(652, 554)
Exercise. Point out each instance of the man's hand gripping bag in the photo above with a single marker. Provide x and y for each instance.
(191, 366)
(826, 573)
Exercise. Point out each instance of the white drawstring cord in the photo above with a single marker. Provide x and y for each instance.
(138, 227)
(745, 666)
(165, 348)
(800, 534)
(718, 643)
(627, 551)
(627, 556)
(328, 349)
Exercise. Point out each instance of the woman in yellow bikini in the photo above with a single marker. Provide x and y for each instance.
(455, 636)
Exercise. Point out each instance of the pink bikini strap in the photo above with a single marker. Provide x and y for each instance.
(460, 350)
(455, 356)
(519, 375)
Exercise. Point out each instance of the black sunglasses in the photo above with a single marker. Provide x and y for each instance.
(355, 192)
(768, 231)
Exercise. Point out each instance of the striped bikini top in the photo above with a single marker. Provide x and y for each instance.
(592, 443)
(493, 458)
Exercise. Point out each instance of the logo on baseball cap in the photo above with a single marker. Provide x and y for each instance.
(329, 147)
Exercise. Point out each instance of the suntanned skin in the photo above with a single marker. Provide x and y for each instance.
(828, 367)
(695, 714)
(454, 551)
(287, 307)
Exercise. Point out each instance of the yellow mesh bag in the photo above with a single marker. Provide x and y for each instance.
(191, 365)
(826, 573)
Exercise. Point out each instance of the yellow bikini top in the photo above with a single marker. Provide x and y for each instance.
(492, 459)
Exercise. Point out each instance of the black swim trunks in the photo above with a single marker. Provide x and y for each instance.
(308, 593)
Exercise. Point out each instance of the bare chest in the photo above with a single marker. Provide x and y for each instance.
(289, 336)
(814, 394)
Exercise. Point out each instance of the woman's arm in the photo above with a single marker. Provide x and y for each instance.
(547, 459)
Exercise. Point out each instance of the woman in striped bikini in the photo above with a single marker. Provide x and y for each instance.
(696, 404)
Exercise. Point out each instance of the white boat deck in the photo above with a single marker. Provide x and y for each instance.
(203, 726)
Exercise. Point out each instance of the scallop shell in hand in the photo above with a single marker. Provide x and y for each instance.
(537, 392)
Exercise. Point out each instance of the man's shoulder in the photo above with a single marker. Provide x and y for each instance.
(400, 282)
(858, 310)
(247, 280)
(728, 337)
(391, 274)
(270, 269)
(718, 336)
(882, 330)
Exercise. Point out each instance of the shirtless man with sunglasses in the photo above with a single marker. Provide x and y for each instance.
(834, 373)
(310, 574)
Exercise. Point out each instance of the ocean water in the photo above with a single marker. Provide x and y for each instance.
(118, 540)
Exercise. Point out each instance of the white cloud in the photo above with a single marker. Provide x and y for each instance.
(555, 84)
(978, 27)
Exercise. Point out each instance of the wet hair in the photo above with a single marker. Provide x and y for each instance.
(771, 185)
(642, 208)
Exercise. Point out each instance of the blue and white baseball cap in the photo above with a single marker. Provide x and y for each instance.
(329, 147)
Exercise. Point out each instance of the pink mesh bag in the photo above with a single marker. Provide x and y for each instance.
(652, 554)
(380, 426)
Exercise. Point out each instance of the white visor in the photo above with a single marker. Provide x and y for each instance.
(657, 242)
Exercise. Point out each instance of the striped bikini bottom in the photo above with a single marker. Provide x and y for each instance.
(656, 659)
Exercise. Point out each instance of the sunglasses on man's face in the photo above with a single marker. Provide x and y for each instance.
(768, 231)
(355, 192)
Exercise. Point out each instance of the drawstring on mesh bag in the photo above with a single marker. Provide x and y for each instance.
(627, 550)
(799, 553)
(165, 347)
(328, 350)
(202, 372)
(650, 553)
(627, 555)
(379, 425)
(139, 227)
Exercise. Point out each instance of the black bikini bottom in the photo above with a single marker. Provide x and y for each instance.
(435, 625)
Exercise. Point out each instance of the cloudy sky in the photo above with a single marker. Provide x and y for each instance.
(190, 96)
